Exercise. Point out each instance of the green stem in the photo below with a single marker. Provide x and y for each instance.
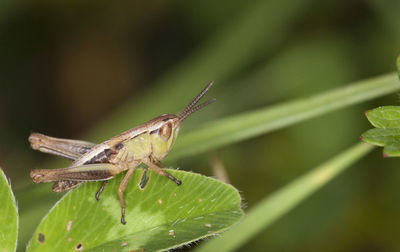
(282, 201)
(250, 124)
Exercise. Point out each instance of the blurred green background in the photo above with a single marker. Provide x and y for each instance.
(88, 70)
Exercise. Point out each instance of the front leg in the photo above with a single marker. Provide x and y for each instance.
(160, 171)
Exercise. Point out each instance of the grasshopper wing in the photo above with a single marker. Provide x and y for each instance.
(67, 148)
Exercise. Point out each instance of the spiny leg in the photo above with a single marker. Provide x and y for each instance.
(101, 189)
(160, 171)
(87, 172)
(121, 189)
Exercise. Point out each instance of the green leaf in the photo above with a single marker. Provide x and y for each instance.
(8, 216)
(387, 132)
(384, 117)
(388, 137)
(279, 203)
(160, 217)
(392, 150)
(381, 137)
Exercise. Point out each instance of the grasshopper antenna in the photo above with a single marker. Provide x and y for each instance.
(189, 109)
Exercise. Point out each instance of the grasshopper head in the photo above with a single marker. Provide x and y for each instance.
(166, 127)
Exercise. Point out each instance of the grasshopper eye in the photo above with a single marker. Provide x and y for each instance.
(165, 131)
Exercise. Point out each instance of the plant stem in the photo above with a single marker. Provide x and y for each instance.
(251, 124)
(279, 203)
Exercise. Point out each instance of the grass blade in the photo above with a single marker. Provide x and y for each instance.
(250, 124)
(279, 203)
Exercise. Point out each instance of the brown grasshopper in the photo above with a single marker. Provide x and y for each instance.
(148, 144)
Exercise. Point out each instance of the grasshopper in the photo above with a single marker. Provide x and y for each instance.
(148, 144)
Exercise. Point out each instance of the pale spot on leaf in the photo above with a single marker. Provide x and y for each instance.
(69, 225)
